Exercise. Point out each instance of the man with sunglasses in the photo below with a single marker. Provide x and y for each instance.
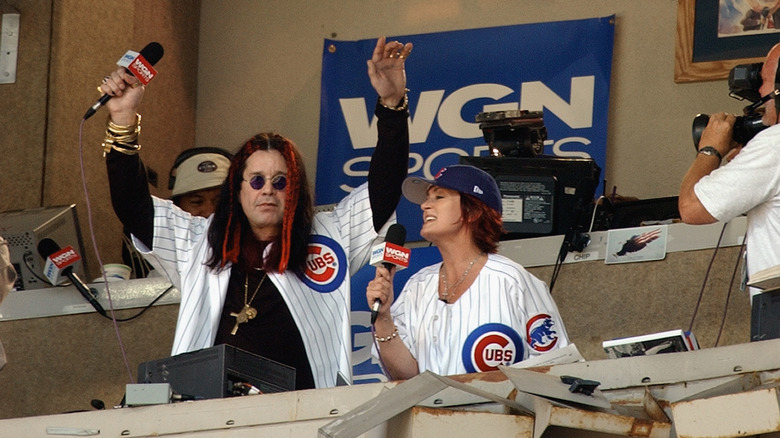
(264, 273)
(748, 183)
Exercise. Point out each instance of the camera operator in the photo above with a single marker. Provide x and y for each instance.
(748, 183)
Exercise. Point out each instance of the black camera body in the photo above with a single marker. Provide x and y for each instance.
(513, 133)
(744, 84)
(745, 80)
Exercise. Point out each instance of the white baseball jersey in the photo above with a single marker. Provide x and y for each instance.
(507, 315)
(319, 298)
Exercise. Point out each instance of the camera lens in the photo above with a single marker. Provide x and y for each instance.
(745, 128)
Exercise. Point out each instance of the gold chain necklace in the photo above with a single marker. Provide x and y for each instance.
(247, 312)
(447, 289)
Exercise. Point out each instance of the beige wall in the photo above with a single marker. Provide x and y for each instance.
(65, 48)
(273, 52)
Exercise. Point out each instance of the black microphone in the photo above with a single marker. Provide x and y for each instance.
(389, 254)
(136, 64)
(59, 263)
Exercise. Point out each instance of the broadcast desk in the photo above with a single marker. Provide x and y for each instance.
(717, 392)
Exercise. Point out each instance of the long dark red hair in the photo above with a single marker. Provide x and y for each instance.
(230, 226)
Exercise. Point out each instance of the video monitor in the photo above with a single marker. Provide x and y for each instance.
(542, 195)
(24, 229)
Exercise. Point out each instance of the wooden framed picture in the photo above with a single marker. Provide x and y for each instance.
(715, 35)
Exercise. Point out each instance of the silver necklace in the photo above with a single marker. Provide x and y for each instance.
(447, 288)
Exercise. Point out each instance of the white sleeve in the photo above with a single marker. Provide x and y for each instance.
(750, 179)
(354, 224)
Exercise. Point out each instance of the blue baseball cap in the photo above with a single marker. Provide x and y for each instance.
(460, 177)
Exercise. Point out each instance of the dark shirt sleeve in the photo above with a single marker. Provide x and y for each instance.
(130, 195)
(389, 163)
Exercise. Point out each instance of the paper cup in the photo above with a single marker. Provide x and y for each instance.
(117, 271)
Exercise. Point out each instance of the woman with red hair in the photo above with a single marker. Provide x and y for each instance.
(476, 309)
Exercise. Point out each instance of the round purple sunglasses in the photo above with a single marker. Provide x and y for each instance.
(257, 182)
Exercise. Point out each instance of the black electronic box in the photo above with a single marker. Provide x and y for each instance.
(214, 372)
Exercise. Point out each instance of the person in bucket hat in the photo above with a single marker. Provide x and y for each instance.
(476, 309)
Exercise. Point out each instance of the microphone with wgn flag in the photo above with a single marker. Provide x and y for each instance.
(59, 266)
(137, 64)
(390, 253)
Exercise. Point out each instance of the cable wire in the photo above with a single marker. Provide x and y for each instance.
(728, 294)
(706, 277)
(97, 251)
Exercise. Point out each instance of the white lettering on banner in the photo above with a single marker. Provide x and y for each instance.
(450, 113)
(417, 161)
(363, 136)
(570, 154)
(577, 114)
(534, 96)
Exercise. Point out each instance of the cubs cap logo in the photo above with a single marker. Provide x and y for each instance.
(326, 265)
(491, 345)
(540, 332)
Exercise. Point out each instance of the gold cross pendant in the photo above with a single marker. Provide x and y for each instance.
(247, 313)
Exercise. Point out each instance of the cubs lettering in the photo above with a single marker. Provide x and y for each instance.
(326, 266)
(491, 345)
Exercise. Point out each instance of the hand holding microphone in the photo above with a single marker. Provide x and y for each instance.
(139, 65)
(391, 253)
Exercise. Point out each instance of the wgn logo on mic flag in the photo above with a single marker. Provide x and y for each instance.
(388, 252)
(326, 265)
(138, 66)
(491, 345)
(560, 68)
(58, 261)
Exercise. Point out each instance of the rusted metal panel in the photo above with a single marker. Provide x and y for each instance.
(741, 414)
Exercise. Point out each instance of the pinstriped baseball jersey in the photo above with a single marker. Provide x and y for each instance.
(507, 315)
(319, 298)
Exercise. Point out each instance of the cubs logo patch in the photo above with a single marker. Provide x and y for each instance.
(491, 345)
(326, 265)
(540, 334)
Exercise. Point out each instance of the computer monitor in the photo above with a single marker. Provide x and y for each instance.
(24, 229)
(542, 195)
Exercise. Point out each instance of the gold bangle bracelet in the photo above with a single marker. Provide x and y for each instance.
(125, 129)
(127, 151)
(122, 138)
(402, 106)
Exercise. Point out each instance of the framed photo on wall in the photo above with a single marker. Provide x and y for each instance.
(715, 35)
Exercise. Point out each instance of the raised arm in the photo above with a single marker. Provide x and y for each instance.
(127, 181)
(717, 135)
(390, 161)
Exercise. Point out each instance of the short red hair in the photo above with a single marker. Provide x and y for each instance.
(485, 223)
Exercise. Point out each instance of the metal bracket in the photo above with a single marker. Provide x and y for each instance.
(9, 43)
